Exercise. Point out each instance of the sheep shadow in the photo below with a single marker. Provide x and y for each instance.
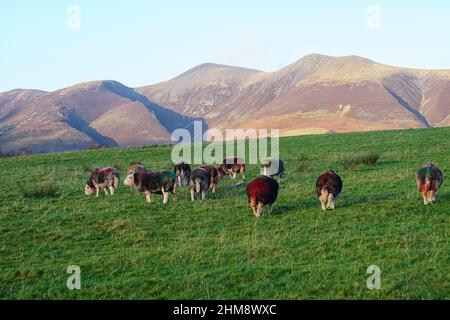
(348, 202)
(227, 192)
(295, 206)
(444, 196)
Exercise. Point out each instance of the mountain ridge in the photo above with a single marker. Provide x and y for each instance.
(314, 94)
(385, 92)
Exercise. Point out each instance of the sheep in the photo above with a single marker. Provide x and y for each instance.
(273, 168)
(106, 178)
(429, 180)
(328, 189)
(200, 183)
(183, 173)
(261, 192)
(214, 175)
(162, 182)
(231, 167)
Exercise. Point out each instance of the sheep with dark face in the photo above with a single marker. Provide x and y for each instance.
(429, 180)
(162, 182)
(214, 175)
(200, 183)
(272, 168)
(328, 188)
(261, 192)
(106, 178)
(231, 167)
(183, 173)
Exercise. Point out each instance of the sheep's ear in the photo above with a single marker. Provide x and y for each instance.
(136, 178)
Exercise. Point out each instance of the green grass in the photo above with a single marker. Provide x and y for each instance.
(128, 249)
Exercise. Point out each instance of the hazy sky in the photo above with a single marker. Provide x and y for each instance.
(143, 42)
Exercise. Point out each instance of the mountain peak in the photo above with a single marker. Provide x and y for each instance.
(214, 68)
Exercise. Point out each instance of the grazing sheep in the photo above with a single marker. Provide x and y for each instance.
(429, 180)
(162, 182)
(136, 168)
(261, 192)
(214, 175)
(106, 178)
(273, 168)
(328, 188)
(183, 173)
(200, 183)
(231, 167)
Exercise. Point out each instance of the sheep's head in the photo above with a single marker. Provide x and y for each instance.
(130, 180)
(222, 172)
(88, 190)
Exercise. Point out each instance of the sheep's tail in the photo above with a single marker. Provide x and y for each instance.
(427, 185)
(325, 192)
(198, 187)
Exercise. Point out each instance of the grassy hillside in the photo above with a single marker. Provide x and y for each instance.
(128, 249)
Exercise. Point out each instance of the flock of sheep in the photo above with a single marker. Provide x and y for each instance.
(261, 192)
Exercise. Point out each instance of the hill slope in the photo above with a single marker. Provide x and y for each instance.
(98, 112)
(128, 249)
(315, 94)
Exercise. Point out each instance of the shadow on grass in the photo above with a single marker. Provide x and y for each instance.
(358, 200)
(445, 196)
(227, 192)
(295, 206)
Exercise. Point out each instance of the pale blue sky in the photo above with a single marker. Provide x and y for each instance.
(144, 42)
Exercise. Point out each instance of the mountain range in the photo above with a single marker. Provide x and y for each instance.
(316, 94)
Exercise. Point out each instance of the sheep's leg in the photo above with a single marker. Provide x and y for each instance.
(324, 206)
(234, 175)
(106, 192)
(203, 195)
(148, 197)
(270, 209)
(431, 196)
(260, 210)
(192, 195)
(112, 190)
(330, 205)
(97, 192)
(425, 198)
(165, 196)
(174, 192)
(253, 206)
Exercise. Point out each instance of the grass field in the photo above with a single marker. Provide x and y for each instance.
(128, 249)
